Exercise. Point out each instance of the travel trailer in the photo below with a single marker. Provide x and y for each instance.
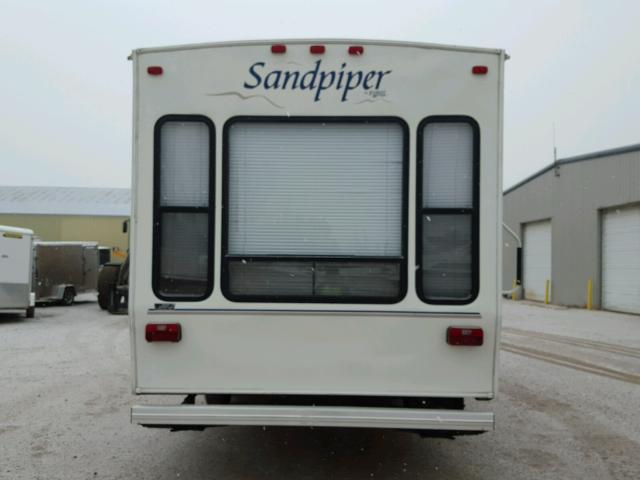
(316, 234)
(65, 270)
(15, 270)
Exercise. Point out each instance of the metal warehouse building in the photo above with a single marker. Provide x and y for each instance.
(67, 213)
(579, 223)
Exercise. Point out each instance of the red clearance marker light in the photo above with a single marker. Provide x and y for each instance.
(316, 49)
(356, 50)
(480, 70)
(155, 70)
(163, 332)
(279, 48)
(469, 337)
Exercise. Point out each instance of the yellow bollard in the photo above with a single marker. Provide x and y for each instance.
(514, 284)
(547, 291)
(590, 294)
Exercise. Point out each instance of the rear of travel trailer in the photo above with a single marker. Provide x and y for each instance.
(16, 256)
(316, 233)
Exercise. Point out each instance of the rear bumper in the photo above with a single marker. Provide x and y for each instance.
(306, 416)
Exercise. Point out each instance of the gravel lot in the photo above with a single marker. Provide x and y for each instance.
(568, 409)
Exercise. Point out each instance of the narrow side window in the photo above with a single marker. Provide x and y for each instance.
(183, 208)
(447, 222)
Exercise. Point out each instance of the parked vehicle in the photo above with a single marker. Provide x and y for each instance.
(113, 287)
(64, 270)
(104, 255)
(307, 243)
(15, 270)
(113, 283)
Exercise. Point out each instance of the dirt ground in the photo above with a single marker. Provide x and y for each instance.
(568, 409)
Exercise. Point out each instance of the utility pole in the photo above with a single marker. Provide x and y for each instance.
(555, 149)
(556, 167)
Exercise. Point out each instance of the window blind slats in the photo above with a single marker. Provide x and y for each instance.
(331, 189)
(447, 172)
(184, 164)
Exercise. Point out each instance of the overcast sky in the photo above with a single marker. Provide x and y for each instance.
(65, 83)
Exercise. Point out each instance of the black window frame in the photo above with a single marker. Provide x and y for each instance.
(159, 209)
(402, 260)
(474, 211)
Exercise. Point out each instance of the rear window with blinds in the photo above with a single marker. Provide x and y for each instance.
(183, 208)
(447, 222)
(314, 210)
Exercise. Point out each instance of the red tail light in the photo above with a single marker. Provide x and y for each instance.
(468, 337)
(279, 48)
(154, 70)
(480, 70)
(163, 332)
(316, 49)
(356, 50)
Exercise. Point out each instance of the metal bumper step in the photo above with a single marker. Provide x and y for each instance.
(310, 416)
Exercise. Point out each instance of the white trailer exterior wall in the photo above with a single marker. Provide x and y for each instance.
(16, 269)
(321, 348)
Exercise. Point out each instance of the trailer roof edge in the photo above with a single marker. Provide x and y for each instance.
(9, 229)
(328, 41)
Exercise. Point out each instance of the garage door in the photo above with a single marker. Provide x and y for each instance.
(621, 260)
(536, 259)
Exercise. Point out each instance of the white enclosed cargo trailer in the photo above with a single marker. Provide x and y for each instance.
(16, 264)
(316, 233)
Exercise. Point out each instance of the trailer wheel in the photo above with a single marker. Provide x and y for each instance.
(31, 312)
(112, 302)
(107, 277)
(103, 300)
(68, 296)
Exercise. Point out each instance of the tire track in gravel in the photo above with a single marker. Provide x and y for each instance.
(570, 362)
(577, 342)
